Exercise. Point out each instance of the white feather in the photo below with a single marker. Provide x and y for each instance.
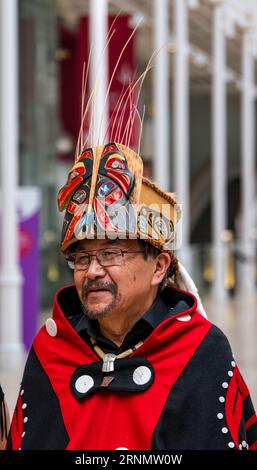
(184, 281)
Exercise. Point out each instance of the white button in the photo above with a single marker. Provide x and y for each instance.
(23, 434)
(84, 383)
(51, 327)
(219, 415)
(225, 385)
(224, 430)
(24, 406)
(25, 419)
(244, 443)
(231, 445)
(233, 363)
(22, 392)
(221, 399)
(230, 373)
(121, 448)
(185, 317)
(142, 375)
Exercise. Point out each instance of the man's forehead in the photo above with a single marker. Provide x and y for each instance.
(106, 243)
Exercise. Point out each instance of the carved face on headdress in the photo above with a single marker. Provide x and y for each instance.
(106, 196)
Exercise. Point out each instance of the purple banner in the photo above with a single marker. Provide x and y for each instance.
(29, 213)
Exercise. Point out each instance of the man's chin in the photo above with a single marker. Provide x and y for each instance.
(95, 315)
(95, 312)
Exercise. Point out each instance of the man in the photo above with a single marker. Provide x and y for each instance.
(127, 361)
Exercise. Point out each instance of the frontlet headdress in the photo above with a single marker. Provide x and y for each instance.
(106, 195)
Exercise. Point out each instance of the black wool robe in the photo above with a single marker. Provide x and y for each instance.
(180, 390)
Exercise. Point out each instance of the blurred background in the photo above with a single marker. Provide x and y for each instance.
(198, 140)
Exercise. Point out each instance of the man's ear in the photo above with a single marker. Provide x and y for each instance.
(162, 262)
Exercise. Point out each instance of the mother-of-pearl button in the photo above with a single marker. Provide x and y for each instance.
(51, 327)
(185, 317)
(84, 383)
(142, 375)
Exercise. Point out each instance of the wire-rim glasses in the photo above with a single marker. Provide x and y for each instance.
(107, 257)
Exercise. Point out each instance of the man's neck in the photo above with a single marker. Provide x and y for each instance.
(115, 326)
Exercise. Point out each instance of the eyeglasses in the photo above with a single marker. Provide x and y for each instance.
(80, 260)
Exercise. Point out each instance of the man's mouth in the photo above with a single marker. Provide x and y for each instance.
(98, 294)
(97, 289)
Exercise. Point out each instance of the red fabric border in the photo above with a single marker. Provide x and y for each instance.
(107, 420)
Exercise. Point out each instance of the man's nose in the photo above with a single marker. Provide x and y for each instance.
(95, 269)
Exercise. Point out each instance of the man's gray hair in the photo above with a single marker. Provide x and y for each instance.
(151, 251)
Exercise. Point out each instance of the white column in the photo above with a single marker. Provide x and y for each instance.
(181, 121)
(247, 162)
(98, 17)
(219, 152)
(161, 95)
(10, 278)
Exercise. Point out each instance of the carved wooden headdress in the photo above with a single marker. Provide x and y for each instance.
(106, 194)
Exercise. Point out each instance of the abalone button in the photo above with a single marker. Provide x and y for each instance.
(51, 327)
(84, 383)
(142, 375)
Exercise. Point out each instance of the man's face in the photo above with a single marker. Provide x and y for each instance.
(119, 288)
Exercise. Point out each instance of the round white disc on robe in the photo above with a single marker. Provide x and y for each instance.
(142, 375)
(84, 383)
(185, 317)
(51, 327)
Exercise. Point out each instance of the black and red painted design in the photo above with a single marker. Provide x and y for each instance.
(95, 194)
(187, 406)
(17, 424)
